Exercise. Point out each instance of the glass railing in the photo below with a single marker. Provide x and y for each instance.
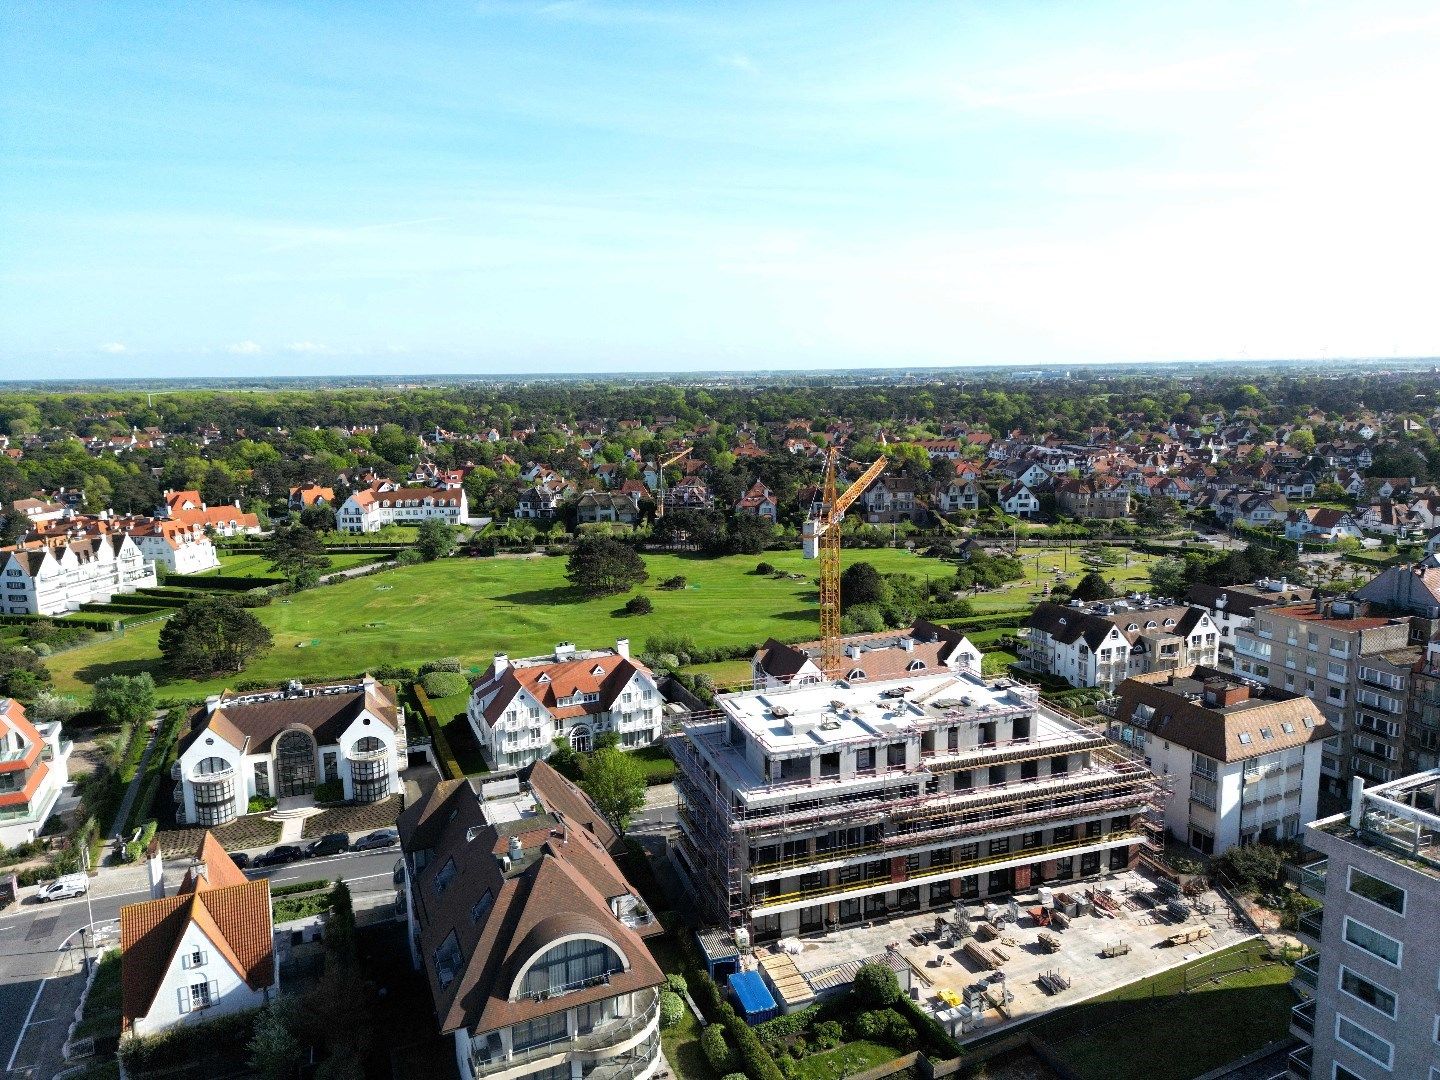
(1302, 1017)
(1312, 877)
(1307, 970)
(1298, 1064)
(645, 1005)
(1309, 924)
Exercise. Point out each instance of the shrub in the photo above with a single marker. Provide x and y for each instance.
(1253, 868)
(408, 557)
(330, 791)
(829, 1034)
(673, 584)
(445, 663)
(886, 1026)
(441, 684)
(753, 1056)
(260, 803)
(764, 568)
(639, 605)
(715, 1048)
(733, 1076)
(672, 1008)
(875, 986)
(676, 983)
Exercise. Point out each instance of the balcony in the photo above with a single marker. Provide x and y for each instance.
(612, 1036)
(1302, 1020)
(1307, 974)
(1297, 1066)
(368, 755)
(1308, 925)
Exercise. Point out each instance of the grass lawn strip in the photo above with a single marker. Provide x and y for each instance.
(847, 1060)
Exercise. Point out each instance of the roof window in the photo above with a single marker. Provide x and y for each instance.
(1244, 738)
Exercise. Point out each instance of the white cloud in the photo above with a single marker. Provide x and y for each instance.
(114, 347)
(245, 348)
(738, 61)
(307, 347)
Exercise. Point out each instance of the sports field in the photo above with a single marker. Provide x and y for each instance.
(473, 608)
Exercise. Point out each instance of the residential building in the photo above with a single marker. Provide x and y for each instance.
(204, 952)
(1244, 759)
(1104, 643)
(40, 511)
(1095, 498)
(540, 502)
(1321, 523)
(1369, 1001)
(1232, 607)
(179, 547)
(307, 495)
(891, 500)
(1353, 664)
(1411, 590)
(518, 708)
(611, 506)
(1422, 721)
(283, 743)
(819, 806)
(34, 769)
(1256, 508)
(1017, 500)
(960, 495)
(529, 935)
(370, 511)
(923, 648)
(760, 501)
(187, 508)
(54, 577)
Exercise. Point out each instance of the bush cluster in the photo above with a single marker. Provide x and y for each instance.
(672, 1008)
(443, 684)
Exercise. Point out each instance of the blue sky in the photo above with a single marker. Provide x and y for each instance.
(582, 185)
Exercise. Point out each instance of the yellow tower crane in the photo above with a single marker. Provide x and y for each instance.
(660, 480)
(821, 538)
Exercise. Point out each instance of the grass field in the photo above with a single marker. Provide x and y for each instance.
(473, 608)
(259, 565)
(843, 1061)
(1168, 1035)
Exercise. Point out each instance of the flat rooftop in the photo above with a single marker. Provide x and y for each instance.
(1399, 820)
(818, 715)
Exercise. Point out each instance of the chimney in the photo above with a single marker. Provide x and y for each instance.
(515, 849)
(212, 703)
(155, 871)
(907, 643)
(622, 646)
(502, 661)
(564, 651)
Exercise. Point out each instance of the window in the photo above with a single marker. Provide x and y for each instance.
(200, 996)
(1363, 1042)
(445, 875)
(1377, 891)
(481, 907)
(1000, 847)
(571, 965)
(538, 1032)
(1367, 992)
(447, 960)
(195, 959)
(1372, 941)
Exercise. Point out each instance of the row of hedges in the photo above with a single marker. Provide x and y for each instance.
(300, 887)
(443, 754)
(95, 622)
(232, 582)
(161, 758)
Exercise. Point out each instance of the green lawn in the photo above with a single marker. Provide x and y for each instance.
(1169, 1035)
(450, 713)
(843, 1061)
(1132, 578)
(473, 608)
(259, 565)
(726, 673)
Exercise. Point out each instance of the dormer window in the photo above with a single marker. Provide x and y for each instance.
(1132, 626)
(1169, 622)
(915, 665)
(445, 875)
(544, 678)
(482, 907)
(597, 670)
(855, 673)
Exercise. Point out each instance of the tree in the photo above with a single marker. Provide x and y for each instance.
(22, 675)
(434, 540)
(875, 986)
(1301, 440)
(318, 518)
(640, 604)
(13, 526)
(212, 636)
(860, 584)
(275, 1051)
(1092, 587)
(124, 699)
(602, 566)
(616, 783)
(1167, 578)
(297, 553)
(340, 924)
(48, 707)
(748, 535)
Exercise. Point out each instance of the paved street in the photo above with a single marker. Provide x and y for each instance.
(42, 942)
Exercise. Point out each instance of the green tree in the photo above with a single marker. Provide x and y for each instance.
(340, 924)
(124, 699)
(22, 675)
(1092, 587)
(298, 554)
(1301, 440)
(861, 583)
(275, 1051)
(1167, 578)
(616, 784)
(602, 566)
(875, 986)
(434, 539)
(212, 636)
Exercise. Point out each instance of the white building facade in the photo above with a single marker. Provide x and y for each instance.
(45, 579)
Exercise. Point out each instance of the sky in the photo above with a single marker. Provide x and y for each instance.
(579, 185)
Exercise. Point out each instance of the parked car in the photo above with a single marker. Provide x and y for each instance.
(64, 888)
(240, 859)
(380, 838)
(279, 856)
(329, 844)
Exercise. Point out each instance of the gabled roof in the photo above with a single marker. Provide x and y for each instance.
(212, 869)
(551, 682)
(249, 724)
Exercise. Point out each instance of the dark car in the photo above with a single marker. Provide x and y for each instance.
(240, 859)
(329, 844)
(285, 853)
(380, 838)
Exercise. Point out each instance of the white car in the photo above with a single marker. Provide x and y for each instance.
(65, 888)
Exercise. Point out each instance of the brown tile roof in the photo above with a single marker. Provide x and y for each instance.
(251, 725)
(213, 868)
(548, 683)
(235, 918)
(1307, 613)
(560, 796)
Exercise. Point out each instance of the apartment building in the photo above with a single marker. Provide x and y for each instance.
(1244, 758)
(1096, 498)
(371, 509)
(1354, 665)
(518, 708)
(283, 743)
(530, 937)
(1104, 643)
(827, 804)
(1422, 722)
(55, 578)
(34, 769)
(178, 547)
(925, 648)
(1232, 607)
(1370, 1008)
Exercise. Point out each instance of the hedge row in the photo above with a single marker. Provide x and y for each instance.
(95, 622)
(231, 582)
(443, 754)
(166, 744)
(300, 887)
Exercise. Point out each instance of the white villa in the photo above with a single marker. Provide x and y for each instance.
(53, 579)
(180, 548)
(375, 507)
(283, 743)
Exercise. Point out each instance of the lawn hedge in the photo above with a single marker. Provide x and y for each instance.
(443, 754)
(232, 582)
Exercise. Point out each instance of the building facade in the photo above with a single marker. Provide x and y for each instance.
(825, 805)
(923, 649)
(518, 708)
(373, 508)
(48, 578)
(1103, 644)
(283, 744)
(34, 768)
(529, 935)
(1244, 759)
(1369, 1003)
(179, 548)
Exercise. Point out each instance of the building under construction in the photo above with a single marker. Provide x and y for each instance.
(817, 806)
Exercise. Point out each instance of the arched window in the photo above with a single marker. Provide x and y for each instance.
(855, 673)
(368, 745)
(915, 665)
(571, 965)
(580, 738)
(210, 766)
(295, 763)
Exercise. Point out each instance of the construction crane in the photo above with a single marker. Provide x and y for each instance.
(821, 538)
(660, 480)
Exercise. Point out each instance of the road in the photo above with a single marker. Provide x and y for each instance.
(41, 947)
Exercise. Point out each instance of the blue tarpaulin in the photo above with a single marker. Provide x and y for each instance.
(754, 996)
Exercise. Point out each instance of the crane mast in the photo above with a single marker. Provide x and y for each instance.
(660, 479)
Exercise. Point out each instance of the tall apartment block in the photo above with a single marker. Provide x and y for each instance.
(827, 804)
(1371, 1008)
(1356, 667)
